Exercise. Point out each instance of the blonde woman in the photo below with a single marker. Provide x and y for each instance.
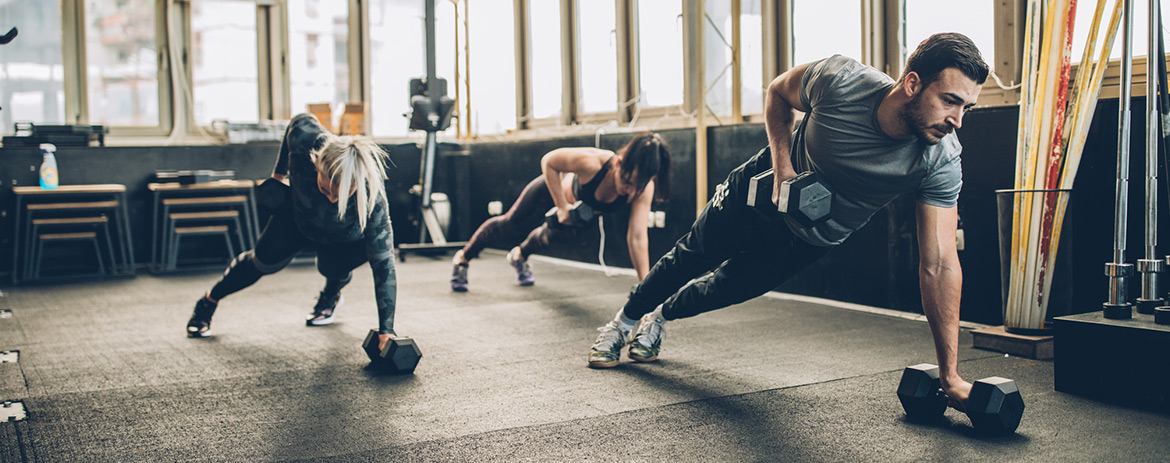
(338, 207)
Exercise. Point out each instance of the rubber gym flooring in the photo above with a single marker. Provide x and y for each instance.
(106, 374)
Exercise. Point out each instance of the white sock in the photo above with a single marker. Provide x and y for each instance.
(658, 312)
(626, 322)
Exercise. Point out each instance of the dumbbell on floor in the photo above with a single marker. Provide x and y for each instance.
(994, 406)
(400, 355)
(805, 197)
(579, 215)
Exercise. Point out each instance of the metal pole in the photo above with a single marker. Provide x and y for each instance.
(428, 161)
(1151, 266)
(1118, 305)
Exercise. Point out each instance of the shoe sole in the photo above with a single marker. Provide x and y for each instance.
(643, 359)
(603, 364)
(530, 283)
(196, 334)
(459, 289)
(322, 322)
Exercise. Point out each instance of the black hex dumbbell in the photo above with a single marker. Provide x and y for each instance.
(805, 197)
(399, 357)
(579, 215)
(994, 406)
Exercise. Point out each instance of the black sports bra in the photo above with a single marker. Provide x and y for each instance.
(587, 193)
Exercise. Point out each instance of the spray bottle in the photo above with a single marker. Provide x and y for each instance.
(48, 167)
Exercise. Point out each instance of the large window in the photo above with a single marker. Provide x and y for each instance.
(398, 54)
(318, 43)
(598, 61)
(717, 38)
(32, 87)
(751, 57)
(224, 66)
(976, 20)
(823, 28)
(493, 66)
(122, 68)
(660, 52)
(545, 29)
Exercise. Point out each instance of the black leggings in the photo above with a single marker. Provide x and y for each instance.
(524, 218)
(278, 244)
(745, 255)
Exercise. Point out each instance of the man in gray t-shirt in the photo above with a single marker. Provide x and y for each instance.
(872, 139)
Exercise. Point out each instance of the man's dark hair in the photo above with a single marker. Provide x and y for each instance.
(946, 50)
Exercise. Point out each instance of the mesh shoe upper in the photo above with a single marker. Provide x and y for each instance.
(323, 310)
(523, 270)
(607, 349)
(200, 323)
(647, 339)
(459, 278)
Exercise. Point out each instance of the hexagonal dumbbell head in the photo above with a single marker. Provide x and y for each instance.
(400, 356)
(806, 199)
(995, 405)
(814, 201)
(919, 392)
(370, 345)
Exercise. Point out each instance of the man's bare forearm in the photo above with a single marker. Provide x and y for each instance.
(941, 291)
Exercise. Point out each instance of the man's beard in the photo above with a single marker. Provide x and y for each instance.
(912, 116)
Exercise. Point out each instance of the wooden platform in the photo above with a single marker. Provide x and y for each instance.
(996, 338)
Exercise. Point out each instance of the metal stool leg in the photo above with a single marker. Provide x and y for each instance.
(110, 247)
(97, 252)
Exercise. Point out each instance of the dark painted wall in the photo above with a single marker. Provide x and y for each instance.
(876, 266)
(500, 170)
(135, 167)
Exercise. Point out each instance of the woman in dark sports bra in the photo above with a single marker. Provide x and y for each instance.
(636, 175)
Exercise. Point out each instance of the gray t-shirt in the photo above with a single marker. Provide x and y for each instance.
(840, 140)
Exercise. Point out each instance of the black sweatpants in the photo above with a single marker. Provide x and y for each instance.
(524, 220)
(746, 254)
(278, 244)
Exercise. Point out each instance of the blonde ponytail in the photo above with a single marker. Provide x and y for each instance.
(354, 163)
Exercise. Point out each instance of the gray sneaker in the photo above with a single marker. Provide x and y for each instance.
(647, 338)
(607, 350)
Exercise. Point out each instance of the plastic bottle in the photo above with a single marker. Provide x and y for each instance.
(48, 167)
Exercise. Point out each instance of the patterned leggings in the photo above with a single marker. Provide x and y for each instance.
(523, 221)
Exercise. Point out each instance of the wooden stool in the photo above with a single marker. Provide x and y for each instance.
(219, 198)
(70, 202)
(67, 223)
(62, 237)
(173, 258)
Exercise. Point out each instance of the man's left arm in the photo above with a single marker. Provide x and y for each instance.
(941, 280)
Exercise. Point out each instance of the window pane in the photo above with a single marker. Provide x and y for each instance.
(120, 53)
(318, 56)
(823, 28)
(32, 87)
(1140, 43)
(493, 66)
(751, 56)
(598, 61)
(398, 54)
(223, 61)
(976, 20)
(717, 48)
(660, 52)
(545, 20)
